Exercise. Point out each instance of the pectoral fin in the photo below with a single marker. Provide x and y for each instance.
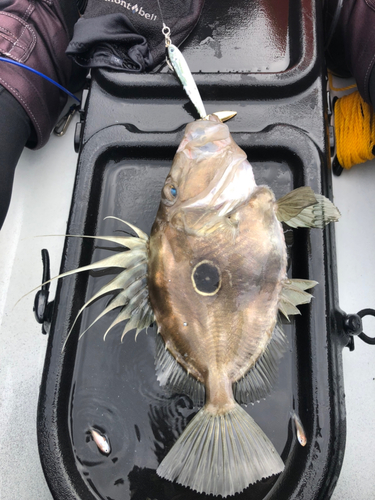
(304, 208)
(294, 294)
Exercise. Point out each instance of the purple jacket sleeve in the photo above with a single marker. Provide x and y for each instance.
(34, 32)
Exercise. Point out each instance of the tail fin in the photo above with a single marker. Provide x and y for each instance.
(221, 454)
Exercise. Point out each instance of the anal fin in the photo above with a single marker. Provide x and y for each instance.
(258, 382)
(171, 374)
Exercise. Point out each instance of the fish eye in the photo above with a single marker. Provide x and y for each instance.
(169, 193)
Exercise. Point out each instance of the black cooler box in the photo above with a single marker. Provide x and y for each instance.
(263, 59)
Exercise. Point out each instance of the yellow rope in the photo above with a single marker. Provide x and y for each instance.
(330, 79)
(354, 130)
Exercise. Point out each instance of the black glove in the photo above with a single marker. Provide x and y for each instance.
(128, 36)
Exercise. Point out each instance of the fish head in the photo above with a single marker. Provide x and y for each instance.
(209, 180)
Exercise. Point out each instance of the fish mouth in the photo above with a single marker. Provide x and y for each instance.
(213, 178)
(227, 192)
(204, 138)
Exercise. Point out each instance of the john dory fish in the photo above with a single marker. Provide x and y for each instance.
(213, 277)
(216, 232)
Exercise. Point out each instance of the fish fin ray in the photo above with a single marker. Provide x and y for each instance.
(116, 301)
(140, 317)
(288, 309)
(171, 374)
(135, 273)
(221, 454)
(118, 260)
(112, 305)
(129, 282)
(293, 203)
(136, 229)
(132, 323)
(137, 302)
(119, 300)
(116, 283)
(293, 294)
(258, 382)
(123, 315)
(304, 208)
(125, 241)
(146, 320)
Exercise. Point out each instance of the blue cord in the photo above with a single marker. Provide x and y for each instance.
(4, 59)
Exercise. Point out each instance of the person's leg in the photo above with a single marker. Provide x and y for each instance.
(15, 127)
(37, 36)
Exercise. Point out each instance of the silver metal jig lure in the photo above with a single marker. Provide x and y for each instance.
(178, 64)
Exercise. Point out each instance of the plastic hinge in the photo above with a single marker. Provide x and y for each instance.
(42, 308)
(353, 327)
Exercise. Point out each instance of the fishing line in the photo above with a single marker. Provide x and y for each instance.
(10, 61)
(161, 13)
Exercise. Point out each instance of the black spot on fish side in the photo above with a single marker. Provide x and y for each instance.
(206, 278)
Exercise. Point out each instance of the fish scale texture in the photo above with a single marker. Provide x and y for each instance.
(221, 454)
